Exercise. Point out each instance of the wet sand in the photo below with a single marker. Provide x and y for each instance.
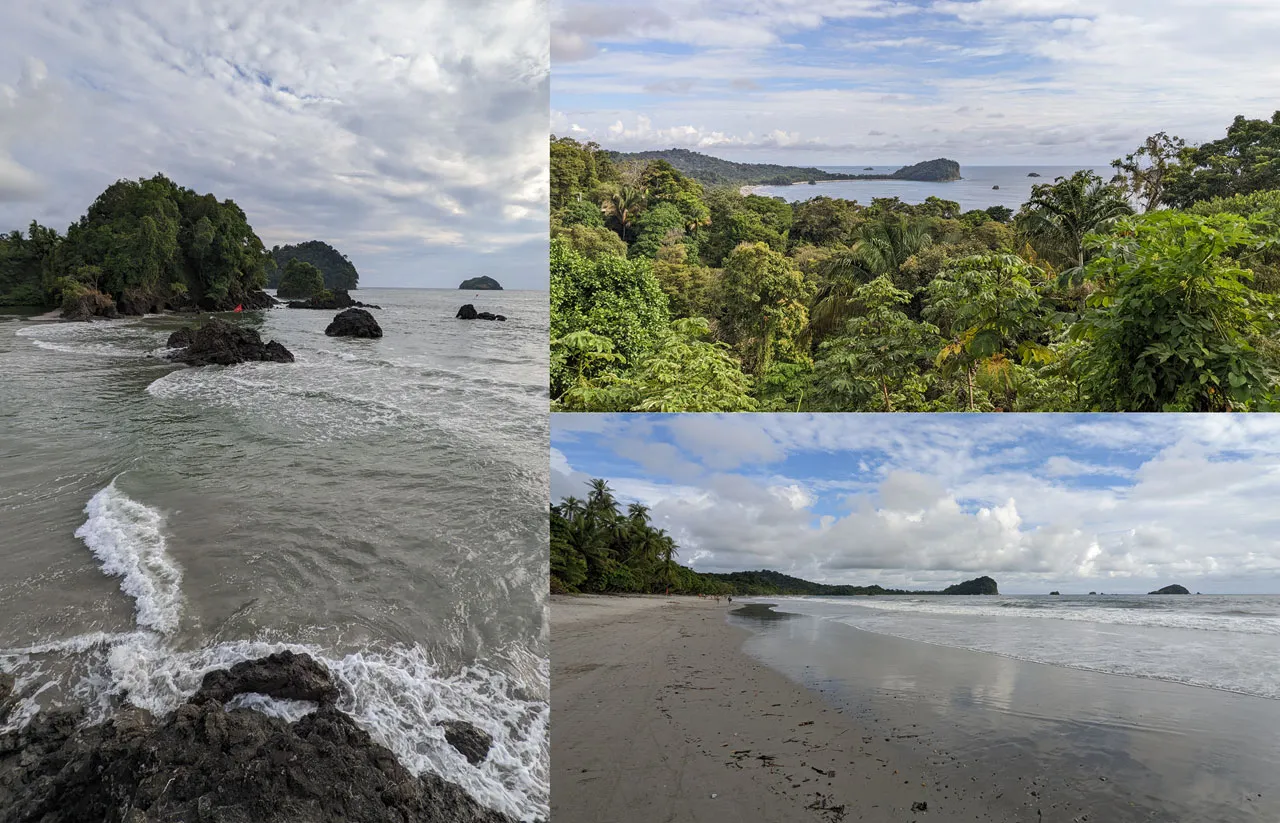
(657, 715)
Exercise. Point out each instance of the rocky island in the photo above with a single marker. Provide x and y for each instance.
(210, 763)
(334, 267)
(219, 343)
(329, 300)
(192, 253)
(1174, 589)
(482, 283)
(468, 312)
(354, 323)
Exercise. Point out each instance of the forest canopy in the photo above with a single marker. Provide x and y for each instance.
(1153, 289)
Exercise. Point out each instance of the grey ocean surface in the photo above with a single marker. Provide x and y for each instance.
(380, 504)
(1124, 707)
(974, 191)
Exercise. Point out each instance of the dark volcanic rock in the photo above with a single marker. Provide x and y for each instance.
(89, 305)
(330, 300)
(354, 323)
(256, 299)
(6, 697)
(471, 743)
(1174, 589)
(204, 764)
(481, 283)
(468, 312)
(220, 343)
(137, 303)
(179, 339)
(285, 675)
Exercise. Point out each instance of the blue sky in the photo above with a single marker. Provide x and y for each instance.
(985, 82)
(410, 135)
(1071, 502)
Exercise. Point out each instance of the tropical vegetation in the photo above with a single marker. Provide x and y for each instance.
(142, 244)
(300, 280)
(1152, 290)
(337, 270)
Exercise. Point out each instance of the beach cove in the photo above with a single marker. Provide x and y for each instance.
(687, 709)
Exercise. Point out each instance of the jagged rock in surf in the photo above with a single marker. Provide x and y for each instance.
(256, 299)
(471, 743)
(220, 343)
(207, 764)
(330, 300)
(283, 675)
(6, 696)
(180, 339)
(468, 312)
(354, 323)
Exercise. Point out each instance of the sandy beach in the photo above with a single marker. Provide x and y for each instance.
(657, 715)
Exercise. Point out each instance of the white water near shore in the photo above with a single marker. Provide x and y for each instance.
(379, 505)
(1226, 642)
(398, 695)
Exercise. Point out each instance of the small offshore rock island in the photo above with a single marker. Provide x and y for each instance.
(481, 283)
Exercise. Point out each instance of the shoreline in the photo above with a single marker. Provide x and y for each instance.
(659, 714)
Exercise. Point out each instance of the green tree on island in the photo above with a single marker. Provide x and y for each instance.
(300, 280)
(141, 246)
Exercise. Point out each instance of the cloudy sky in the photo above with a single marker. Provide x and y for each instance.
(1071, 502)
(897, 81)
(409, 134)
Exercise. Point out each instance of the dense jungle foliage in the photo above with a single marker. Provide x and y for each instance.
(142, 244)
(337, 270)
(1154, 290)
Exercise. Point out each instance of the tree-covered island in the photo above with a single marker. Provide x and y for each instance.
(149, 245)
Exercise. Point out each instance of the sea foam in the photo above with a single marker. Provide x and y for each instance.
(398, 694)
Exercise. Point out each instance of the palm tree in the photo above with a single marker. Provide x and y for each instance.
(1060, 214)
(882, 248)
(622, 204)
(668, 552)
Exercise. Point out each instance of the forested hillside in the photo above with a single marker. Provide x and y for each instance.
(337, 271)
(141, 246)
(1152, 290)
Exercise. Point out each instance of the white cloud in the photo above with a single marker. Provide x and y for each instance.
(410, 135)
(1038, 502)
(1080, 81)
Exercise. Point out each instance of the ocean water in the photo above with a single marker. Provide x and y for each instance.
(1227, 642)
(973, 191)
(380, 504)
(1117, 708)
